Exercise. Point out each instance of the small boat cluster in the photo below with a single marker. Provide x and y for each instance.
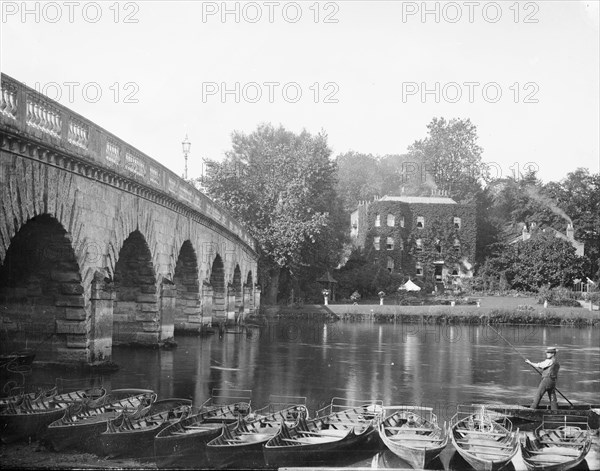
(225, 431)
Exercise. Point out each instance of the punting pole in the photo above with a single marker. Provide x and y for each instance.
(538, 371)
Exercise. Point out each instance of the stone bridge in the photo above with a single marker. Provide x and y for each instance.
(101, 245)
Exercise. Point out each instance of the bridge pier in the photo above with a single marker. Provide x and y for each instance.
(168, 306)
(101, 319)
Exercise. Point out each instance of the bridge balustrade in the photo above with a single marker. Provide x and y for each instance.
(28, 111)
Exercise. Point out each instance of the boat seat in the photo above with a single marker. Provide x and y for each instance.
(415, 438)
(486, 445)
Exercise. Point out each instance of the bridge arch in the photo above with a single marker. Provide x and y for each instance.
(135, 308)
(41, 288)
(217, 282)
(188, 311)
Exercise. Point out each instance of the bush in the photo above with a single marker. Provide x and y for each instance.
(559, 296)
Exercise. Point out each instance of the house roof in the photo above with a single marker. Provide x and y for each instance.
(420, 199)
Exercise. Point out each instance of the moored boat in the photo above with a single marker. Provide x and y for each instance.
(135, 437)
(524, 414)
(557, 445)
(19, 397)
(241, 444)
(29, 418)
(327, 438)
(486, 441)
(183, 443)
(80, 425)
(413, 434)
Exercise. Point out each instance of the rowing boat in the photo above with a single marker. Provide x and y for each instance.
(524, 414)
(28, 418)
(558, 444)
(486, 441)
(134, 438)
(81, 425)
(241, 444)
(413, 434)
(21, 395)
(326, 438)
(183, 443)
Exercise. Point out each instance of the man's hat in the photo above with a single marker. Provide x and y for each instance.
(552, 350)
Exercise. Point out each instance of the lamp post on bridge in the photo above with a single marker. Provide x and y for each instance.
(186, 144)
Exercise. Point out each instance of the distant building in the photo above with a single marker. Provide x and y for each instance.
(428, 238)
(527, 232)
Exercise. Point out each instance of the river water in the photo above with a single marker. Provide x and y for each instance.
(434, 366)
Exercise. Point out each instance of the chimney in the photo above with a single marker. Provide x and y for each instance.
(570, 232)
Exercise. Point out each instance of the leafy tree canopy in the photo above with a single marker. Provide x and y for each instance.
(528, 265)
(282, 187)
(451, 156)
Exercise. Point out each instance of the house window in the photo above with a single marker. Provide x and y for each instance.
(420, 222)
(419, 245)
(377, 220)
(389, 243)
(390, 264)
(419, 268)
(401, 221)
(376, 242)
(457, 245)
(456, 223)
(391, 220)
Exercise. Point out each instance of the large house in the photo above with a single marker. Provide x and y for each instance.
(428, 238)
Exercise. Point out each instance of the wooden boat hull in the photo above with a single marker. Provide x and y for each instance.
(576, 413)
(139, 443)
(33, 423)
(418, 445)
(81, 432)
(484, 443)
(320, 453)
(538, 457)
(248, 455)
(242, 445)
(24, 426)
(331, 438)
(183, 444)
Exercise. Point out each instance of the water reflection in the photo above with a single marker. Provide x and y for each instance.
(439, 366)
(435, 366)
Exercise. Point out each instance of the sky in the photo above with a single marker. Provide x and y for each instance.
(371, 75)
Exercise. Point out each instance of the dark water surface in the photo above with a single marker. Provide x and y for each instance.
(434, 366)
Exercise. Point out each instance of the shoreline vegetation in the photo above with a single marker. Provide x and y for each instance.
(497, 311)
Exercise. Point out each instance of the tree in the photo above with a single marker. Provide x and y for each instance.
(578, 197)
(528, 265)
(359, 179)
(282, 187)
(451, 156)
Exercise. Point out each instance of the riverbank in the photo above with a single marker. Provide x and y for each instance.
(37, 456)
(495, 310)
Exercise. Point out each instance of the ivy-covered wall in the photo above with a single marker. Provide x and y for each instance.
(438, 226)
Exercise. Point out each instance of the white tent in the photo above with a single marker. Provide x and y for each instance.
(410, 286)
